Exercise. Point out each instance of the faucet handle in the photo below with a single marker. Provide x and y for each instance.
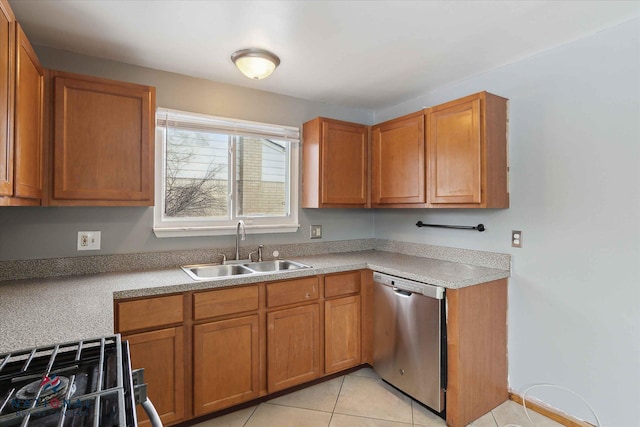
(260, 247)
(251, 253)
(224, 258)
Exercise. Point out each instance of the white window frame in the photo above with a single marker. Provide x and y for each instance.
(178, 227)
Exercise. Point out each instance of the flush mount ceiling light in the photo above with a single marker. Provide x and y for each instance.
(255, 63)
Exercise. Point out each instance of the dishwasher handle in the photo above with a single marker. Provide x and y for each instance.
(401, 292)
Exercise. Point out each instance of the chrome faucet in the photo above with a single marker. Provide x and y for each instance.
(244, 236)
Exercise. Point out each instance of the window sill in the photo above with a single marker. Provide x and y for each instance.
(162, 232)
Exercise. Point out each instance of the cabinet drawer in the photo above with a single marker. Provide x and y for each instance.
(149, 313)
(292, 291)
(342, 284)
(225, 301)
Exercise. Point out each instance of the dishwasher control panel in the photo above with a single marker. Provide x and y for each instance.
(425, 289)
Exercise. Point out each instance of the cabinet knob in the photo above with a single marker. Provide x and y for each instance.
(401, 371)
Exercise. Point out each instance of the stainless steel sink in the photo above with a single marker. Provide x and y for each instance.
(216, 271)
(212, 271)
(276, 265)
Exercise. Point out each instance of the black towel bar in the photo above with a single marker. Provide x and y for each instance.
(479, 227)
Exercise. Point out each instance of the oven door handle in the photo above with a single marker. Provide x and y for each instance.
(140, 393)
(148, 407)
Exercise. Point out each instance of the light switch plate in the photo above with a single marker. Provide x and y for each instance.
(315, 231)
(89, 240)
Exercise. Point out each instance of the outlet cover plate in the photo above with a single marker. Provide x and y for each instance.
(89, 240)
(516, 238)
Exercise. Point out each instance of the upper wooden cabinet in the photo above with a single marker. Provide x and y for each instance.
(467, 153)
(453, 155)
(335, 164)
(398, 162)
(28, 121)
(102, 142)
(7, 88)
(21, 115)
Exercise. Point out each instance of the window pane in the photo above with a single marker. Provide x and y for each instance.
(197, 171)
(261, 176)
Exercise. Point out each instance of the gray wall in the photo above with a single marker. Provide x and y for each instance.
(574, 298)
(31, 233)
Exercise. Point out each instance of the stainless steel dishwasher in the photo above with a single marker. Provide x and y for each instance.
(409, 339)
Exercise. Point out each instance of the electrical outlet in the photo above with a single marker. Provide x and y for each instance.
(88, 240)
(516, 238)
(315, 231)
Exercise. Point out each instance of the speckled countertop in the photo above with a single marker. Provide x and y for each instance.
(36, 312)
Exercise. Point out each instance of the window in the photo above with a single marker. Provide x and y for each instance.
(212, 172)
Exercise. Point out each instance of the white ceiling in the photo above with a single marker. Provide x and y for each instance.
(367, 54)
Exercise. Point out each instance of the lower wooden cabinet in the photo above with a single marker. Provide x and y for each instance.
(343, 325)
(342, 332)
(476, 351)
(293, 346)
(156, 334)
(209, 350)
(161, 354)
(226, 363)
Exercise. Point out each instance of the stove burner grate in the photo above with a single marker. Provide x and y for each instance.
(84, 383)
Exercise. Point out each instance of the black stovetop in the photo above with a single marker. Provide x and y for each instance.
(84, 383)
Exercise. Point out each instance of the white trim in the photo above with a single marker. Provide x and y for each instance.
(222, 230)
(254, 225)
(195, 121)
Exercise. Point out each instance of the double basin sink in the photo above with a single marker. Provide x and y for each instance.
(215, 271)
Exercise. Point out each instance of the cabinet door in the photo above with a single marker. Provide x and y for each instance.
(398, 161)
(293, 346)
(344, 163)
(226, 362)
(103, 142)
(28, 120)
(7, 57)
(455, 154)
(335, 157)
(342, 333)
(161, 354)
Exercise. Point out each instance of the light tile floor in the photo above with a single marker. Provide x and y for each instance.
(360, 399)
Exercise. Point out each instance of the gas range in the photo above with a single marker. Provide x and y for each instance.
(82, 383)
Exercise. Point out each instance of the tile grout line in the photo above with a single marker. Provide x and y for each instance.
(333, 411)
(413, 421)
(495, 422)
(252, 412)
